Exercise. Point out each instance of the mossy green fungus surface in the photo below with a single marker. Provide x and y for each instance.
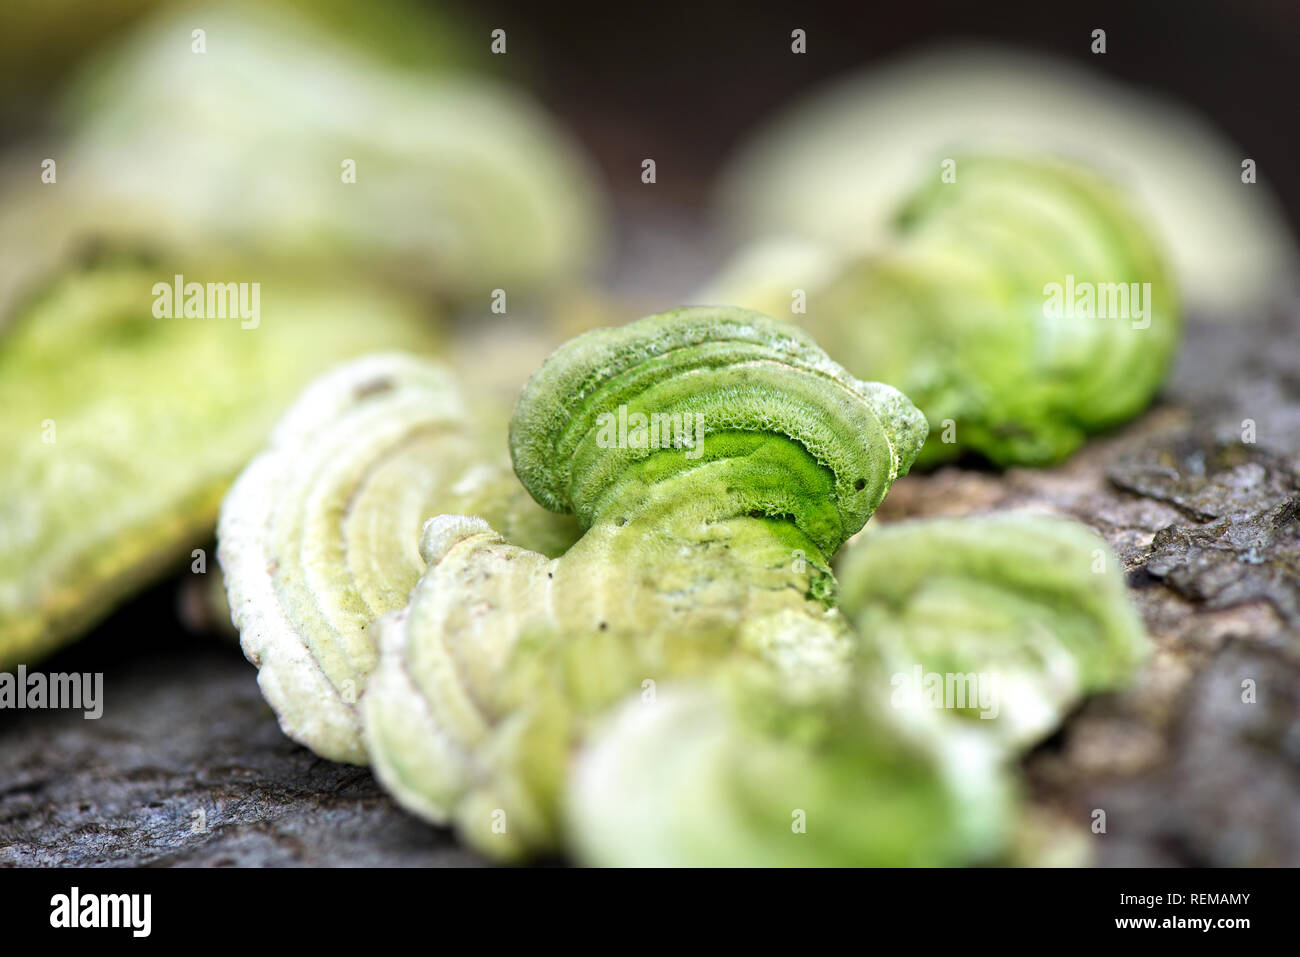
(783, 430)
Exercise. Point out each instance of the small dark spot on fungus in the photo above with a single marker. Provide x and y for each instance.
(604, 625)
(373, 387)
(860, 484)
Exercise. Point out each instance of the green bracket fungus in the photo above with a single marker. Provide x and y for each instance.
(319, 535)
(1028, 613)
(122, 430)
(443, 181)
(1022, 306)
(685, 683)
(761, 397)
(804, 172)
(720, 536)
(729, 773)
(729, 777)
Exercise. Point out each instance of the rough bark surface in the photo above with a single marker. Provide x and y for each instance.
(188, 767)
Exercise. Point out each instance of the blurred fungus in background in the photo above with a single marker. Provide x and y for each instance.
(460, 184)
(832, 167)
(955, 307)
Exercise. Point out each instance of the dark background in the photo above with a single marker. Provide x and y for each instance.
(685, 81)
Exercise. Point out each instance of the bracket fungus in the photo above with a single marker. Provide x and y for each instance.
(674, 676)
(1028, 613)
(709, 542)
(319, 535)
(801, 174)
(726, 776)
(122, 430)
(438, 179)
(1022, 306)
(729, 773)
